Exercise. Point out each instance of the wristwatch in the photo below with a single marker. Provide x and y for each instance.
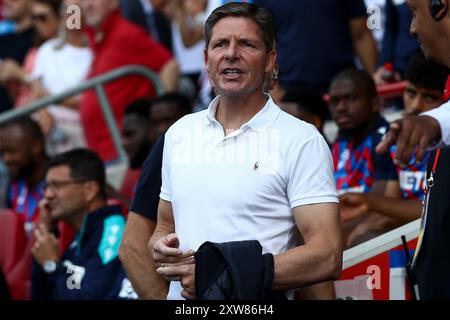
(49, 266)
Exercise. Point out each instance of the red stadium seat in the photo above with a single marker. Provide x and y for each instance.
(15, 256)
(12, 238)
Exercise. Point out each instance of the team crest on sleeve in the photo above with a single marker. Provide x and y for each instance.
(112, 235)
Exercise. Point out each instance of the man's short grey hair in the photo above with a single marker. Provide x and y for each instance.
(259, 15)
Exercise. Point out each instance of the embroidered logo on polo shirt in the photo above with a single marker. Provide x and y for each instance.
(265, 167)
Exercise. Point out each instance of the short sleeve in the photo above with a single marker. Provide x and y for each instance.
(166, 190)
(146, 198)
(310, 173)
(442, 115)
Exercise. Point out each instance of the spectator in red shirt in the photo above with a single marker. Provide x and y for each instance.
(117, 43)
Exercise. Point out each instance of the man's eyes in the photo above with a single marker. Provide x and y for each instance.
(222, 44)
(248, 44)
(218, 45)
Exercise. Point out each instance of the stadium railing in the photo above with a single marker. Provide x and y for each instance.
(116, 168)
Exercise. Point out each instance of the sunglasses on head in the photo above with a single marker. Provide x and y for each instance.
(39, 17)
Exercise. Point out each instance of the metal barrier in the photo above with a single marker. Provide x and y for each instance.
(96, 83)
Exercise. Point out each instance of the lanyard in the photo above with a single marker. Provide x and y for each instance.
(430, 180)
(430, 183)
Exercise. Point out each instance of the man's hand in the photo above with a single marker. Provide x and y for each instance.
(166, 251)
(412, 133)
(174, 264)
(11, 70)
(46, 121)
(44, 214)
(46, 246)
(185, 273)
(378, 76)
(353, 205)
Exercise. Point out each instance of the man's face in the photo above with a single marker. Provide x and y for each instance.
(44, 20)
(135, 137)
(16, 9)
(64, 195)
(96, 11)
(418, 99)
(16, 152)
(428, 32)
(350, 105)
(236, 57)
(163, 115)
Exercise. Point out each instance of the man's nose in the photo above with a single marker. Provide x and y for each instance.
(231, 52)
(48, 192)
(341, 105)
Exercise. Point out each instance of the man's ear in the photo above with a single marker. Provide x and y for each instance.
(205, 59)
(438, 9)
(271, 61)
(91, 190)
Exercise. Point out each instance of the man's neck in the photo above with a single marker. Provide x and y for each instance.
(76, 221)
(233, 112)
(358, 135)
(76, 38)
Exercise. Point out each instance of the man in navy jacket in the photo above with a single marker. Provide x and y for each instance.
(74, 192)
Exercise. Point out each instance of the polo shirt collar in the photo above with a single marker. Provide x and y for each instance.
(259, 122)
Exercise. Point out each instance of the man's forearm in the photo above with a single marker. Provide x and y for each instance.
(306, 265)
(137, 261)
(321, 291)
(401, 209)
(364, 43)
(169, 76)
(147, 283)
(366, 50)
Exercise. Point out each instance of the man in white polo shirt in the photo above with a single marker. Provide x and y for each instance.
(245, 170)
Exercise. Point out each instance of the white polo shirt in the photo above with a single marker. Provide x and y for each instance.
(243, 186)
(442, 115)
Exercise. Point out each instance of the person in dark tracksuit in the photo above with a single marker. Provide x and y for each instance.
(74, 192)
